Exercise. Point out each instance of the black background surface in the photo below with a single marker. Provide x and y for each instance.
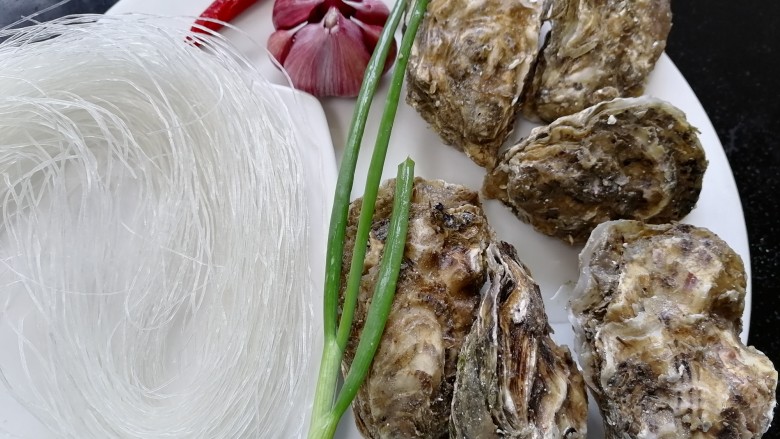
(728, 51)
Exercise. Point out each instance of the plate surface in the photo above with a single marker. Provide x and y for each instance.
(552, 263)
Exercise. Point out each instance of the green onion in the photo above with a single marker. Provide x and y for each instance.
(384, 291)
(328, 408)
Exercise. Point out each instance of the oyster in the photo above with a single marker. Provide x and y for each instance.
(632, 158)
(468, 67)
(408, 390)
(657, 315)
(513, 381)
(597, 50)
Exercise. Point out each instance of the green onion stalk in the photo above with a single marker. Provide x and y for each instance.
(329, 406)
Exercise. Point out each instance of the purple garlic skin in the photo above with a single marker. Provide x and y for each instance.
(513, 381)
(597, 50)
(325, 45)
(656, 313)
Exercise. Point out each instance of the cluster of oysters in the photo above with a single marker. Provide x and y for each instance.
(475, 65)
(467, 352)
(460, 358)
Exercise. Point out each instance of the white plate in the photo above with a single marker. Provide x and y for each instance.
(552, 262)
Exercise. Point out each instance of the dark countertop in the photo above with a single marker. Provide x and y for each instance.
(729, 55)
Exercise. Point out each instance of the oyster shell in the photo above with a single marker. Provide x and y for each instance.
(632, 158)
(408, 390)
(656, 314)
(513, 381)
(597, 50)
(468, 67)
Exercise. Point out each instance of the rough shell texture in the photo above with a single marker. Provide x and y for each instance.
(633, 158)
(468, 67)
(513, 381)
(657, 315)
(408, 390)
(597, 50)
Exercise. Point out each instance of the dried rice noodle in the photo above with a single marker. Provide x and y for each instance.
(153, 244)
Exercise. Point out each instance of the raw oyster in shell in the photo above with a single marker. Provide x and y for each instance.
(513, 381)
(597, 50)
(632, 158)
(656, 314)
(468, 67)
(408, 390)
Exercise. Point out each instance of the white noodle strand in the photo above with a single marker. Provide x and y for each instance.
(153, 248)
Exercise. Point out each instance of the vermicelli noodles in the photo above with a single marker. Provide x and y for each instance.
(153, 239)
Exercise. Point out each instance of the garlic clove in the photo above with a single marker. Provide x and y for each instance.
(346, 32)
(328, 58)
(280, 42)
(371, 35)
(291, 13)
(369, 11)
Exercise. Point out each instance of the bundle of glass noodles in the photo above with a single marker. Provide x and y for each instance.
(153, 245)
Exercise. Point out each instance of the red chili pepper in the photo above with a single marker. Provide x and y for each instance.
(222, 10)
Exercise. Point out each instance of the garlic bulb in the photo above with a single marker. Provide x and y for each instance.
(325, 45)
